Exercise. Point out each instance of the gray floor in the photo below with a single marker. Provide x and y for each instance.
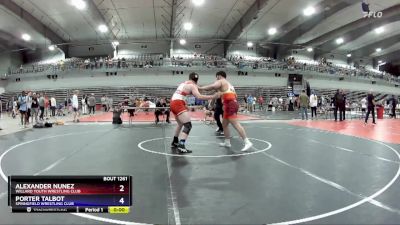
(306, 176)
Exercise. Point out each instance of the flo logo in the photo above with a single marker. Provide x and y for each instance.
(369, 14)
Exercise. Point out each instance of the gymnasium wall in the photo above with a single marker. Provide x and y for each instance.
(8, 60)
(165, 78)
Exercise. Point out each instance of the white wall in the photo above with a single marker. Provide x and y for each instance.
(303, 54)
(9, 60)
(98, 50)
(129, 49)
(155, 78)
(242, 49)
(162, 79)
(337, 59)
(189, 48)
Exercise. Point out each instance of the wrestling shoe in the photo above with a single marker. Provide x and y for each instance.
(182, 149)
(247, 146)
(225, 144)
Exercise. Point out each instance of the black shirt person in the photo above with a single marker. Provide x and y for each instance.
(394, 104)
(371, 107)
(218, 111)
(158, 112)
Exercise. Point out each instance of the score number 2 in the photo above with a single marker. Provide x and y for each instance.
(121, 189)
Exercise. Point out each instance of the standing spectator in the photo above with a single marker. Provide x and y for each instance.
(84, 105)
(47, 105)
(22, 108)
(304, 101)
(254, 103)
(339, 102)
(245, 102)
(75, 106)
(363, 106)
(92, 104)
(35, 108)
(101, 62)
(393, 102)
(103, 101)
(250, 103)
(53, 105)
(41, 106)
(371, 107)
(110, 103)
(261, 103)
(313, 104)
(28, 106)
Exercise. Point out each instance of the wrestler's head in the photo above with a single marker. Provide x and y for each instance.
(220, 74)
(194, 77)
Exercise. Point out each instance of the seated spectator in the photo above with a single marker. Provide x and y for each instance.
(117, 114)
(158, 112)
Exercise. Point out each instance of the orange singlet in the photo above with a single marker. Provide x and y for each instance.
(230, 104)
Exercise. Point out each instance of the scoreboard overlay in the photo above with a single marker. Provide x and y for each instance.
(77, 194)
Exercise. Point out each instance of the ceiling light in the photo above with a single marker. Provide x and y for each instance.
(378, 50)
(309, 11)
(103, 28)
(249, 44)
(309, 49)
(26, 37)
(79, 4)
(182, 41)
(51, 47)
(339, 41)
(379, 30)
(348, 55)
(272, 31)
(198, 2)
(188, 26)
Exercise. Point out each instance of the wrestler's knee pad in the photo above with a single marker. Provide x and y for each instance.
(187, 127)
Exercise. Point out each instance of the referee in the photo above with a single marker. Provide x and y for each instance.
(218, 112)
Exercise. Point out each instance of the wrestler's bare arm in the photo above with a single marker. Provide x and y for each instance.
(196, 93)
(215, 86)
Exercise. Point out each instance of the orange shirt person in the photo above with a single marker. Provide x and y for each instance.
(179, 109)
(231, 107)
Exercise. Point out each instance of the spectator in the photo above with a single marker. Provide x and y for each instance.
(363, 106)
(250, 100)
(339, 102)
(103, 101)
(110, 103)
(313, 104)
(254, 103)
(92, 104)
(304, 102)
(261, 103)
(84, 105)
(393, 103)
(35, 108)
(117, 114)
(75, 106)
(53, 105)
(28, 106)
(371, 107)
(158, 112)
(47, 105)
(41, 105)
(22, 108)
